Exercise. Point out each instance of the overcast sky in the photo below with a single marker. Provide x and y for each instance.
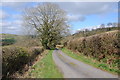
(80, 14)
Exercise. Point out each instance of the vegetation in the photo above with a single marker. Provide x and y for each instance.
(18, 53)
(49, 21)
(92, 61)
(8, 41)
(86, 32)
(45, 68)
(20, 40)
(15, 59)
(8, 35)
(103, 47)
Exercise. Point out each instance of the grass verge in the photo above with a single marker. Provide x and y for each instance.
(91, 61)
(45, 68)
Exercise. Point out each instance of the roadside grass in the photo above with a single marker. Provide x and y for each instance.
(91, 61)
(45, 68)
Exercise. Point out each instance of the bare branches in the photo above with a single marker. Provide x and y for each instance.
(49, 20)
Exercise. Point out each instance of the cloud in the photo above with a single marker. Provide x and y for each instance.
(59, 0)
(14, 4)
(85, 8)
(77, 11)
(3, 14)
(82, 9)
(11, 23)
(5, 24)
(11, 26)
(75, 18)
(17, 16)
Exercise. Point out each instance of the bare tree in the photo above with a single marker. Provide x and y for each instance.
(49, 20)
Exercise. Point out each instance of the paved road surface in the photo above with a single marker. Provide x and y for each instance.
(72, 68)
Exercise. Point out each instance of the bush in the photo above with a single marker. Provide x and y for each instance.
(99, 46)
(34, 52)
(15, 58)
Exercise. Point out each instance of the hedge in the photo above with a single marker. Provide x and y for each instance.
(103, 46)
(15, 58)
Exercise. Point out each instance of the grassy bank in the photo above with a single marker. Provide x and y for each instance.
(45, 68)
(91, 61)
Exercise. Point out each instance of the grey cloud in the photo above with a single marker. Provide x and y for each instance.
(76, 18)
(86, 8)
(77, 11)
(15, 4)
(75, 8)
(82, 9)
(11, 27)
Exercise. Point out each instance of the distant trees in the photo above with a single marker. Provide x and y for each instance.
(96, 29)
(102, 26)
(109, 24)
(50, 22)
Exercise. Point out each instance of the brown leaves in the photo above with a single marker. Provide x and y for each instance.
(99, 46)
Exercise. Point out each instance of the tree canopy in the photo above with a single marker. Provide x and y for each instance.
(49, 20)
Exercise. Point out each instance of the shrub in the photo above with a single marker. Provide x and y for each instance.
(36, 50)
(15, 58)
(99, 46)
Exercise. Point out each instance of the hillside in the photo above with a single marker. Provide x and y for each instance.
(87, 32)
(103, 47)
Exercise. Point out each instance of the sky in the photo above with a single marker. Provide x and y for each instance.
(80, 15)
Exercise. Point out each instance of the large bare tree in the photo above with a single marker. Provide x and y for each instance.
(50, 22)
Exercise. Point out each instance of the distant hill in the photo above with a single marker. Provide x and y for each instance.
(87, 32)
(8, 35)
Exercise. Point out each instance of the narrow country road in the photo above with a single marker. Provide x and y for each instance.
(72, 68)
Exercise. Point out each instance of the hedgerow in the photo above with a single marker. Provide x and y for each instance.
(15, 58)
(103, 47)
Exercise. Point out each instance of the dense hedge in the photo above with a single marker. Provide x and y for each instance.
(103, 46)
(15, 58)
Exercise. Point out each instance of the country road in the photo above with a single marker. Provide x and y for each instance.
(72, 68)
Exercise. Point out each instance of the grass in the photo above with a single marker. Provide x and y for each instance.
(45, 68)
(91, 61)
